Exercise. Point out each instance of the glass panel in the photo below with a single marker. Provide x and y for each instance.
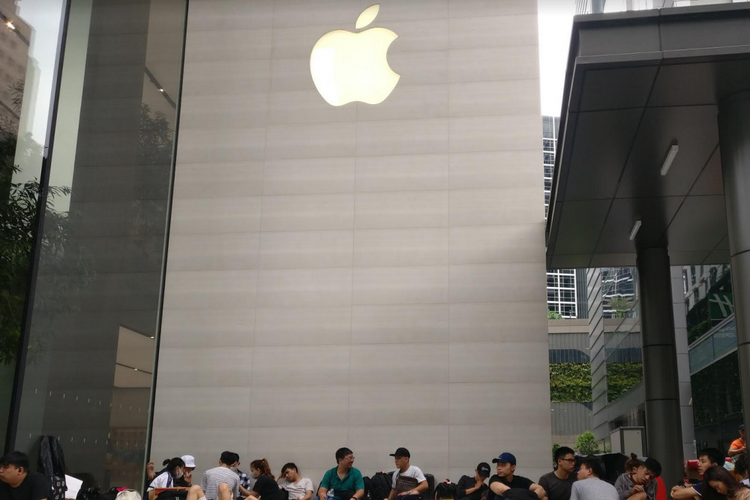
(29, 41)
(97, 304)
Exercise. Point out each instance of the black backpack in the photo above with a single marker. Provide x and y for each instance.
(52, 465)
(445, 490)
(380, 485)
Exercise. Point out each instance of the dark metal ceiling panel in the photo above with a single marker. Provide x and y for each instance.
(710, 180)
(602, 142)
(659, 128)
(699, 83)
(580, 224)
(617, 88)
(654, 213)
(613, 260)
(700, 225)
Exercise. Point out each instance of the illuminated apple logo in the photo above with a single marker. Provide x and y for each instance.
(348, 66)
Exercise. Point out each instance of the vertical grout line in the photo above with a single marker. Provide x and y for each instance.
(448, 221)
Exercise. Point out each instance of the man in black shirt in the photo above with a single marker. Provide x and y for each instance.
(17, 482)
(472, 488)
(559, 482)
(506, 479)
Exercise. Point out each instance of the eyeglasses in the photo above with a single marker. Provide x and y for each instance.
(569, 460)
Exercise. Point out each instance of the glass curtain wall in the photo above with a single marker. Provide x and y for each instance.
(30, 35)
(95, 318)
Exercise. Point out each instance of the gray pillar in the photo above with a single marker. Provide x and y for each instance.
(663, 428)
(734, 140)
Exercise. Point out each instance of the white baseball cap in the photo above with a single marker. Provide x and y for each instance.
(189, 461)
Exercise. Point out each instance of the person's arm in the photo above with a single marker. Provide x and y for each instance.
(308, 495)
(686, 493)
(538, 490)
(245, 492)
(324, 485)
(359, 494)
(733, 450)
(638, 495)
(420, 488)
(498, 488)
(322, 492)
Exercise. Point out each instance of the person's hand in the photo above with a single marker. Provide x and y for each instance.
(150, 470)
(188, 477)
(637, 489)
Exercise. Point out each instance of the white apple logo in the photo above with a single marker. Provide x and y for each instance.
(348, 66)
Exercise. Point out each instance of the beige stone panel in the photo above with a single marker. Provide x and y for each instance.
(395, 324)
(297, 42)
(299, 406)
(306, 249)
(401, 210)
(205, 367)
(505, 362)
(495, 206)
(225, 328)
(292, 74)
(498, 321)
(498, 283)
(210, 290)
(398, 10)
(493, 31)
(217, 146)
(488, 403)
(423, 403)
(178, 404)
(498, 98)
(306, 106)
(286, 367)
(372, 445)
(494, 63)
(384, 364)
(322, 140)
(221, 112)
(482, 8)
(300, 327)
(220, 78)
(420, 67)
(209, 252)
(402, 173)
(401, 285)
(305, 287)
(397, 137)
(309, 176)
(420, 33)
(229, 14)
(308, 212)
(339, 14)
(400, 247)
(496, 169)
(495, 244)
(231, 45)
(216, 215)
(408, 102)
(218, 180)
(495, 133)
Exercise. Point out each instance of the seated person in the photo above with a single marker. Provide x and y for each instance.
(707, 458)
(408, 479)
(558, 483)
(589, 486)
(638, 482)
(265, 487)
(187, 472)
(219, 483)
(346, 482)
(296, 486)
(18, 482)
(719, 484)
(168, 477)
(472, 487)
(505, 479)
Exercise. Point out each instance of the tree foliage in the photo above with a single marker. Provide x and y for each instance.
(570, 382)
(553, 315)
(586, 444)
(622, 377)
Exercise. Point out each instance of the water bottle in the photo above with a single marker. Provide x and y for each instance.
(329, 495)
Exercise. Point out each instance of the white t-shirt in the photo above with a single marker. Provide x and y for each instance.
(163, 480)
(298, 489)
(407, 479)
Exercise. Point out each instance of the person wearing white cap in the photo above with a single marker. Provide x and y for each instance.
(187, 475)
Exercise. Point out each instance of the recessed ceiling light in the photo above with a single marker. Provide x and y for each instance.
(669, 159)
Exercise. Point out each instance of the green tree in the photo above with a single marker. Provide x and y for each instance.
(553, 315)
(586, 444)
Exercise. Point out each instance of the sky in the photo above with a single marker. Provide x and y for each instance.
(555, 22)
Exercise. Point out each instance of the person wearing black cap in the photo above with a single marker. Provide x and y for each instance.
(505, 479)
(473, 487)
(408, 479)
(558, 483)
(739, 445)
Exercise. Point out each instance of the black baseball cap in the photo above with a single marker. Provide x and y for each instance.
(484, 469)
(401, 452)
(742, 427)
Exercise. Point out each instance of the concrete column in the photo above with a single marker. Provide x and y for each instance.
(734, 140)
(660, 380)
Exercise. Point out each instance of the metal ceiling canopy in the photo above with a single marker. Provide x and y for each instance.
(637, 83)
